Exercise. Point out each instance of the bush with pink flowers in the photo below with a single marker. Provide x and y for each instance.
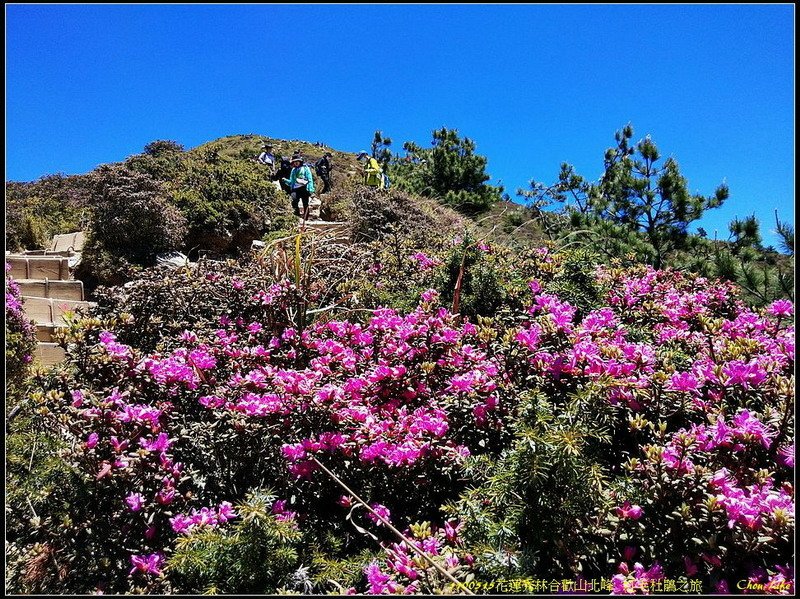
(20, 338)
(627, 424)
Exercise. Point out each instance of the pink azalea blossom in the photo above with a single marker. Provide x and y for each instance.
(633, 512)
(135, 501)
(147, 564)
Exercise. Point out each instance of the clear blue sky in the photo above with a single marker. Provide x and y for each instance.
(532, 85)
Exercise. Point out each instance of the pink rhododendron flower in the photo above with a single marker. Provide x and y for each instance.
(225, 512)
(429, 295)
(147, 564)
(161, 443)
(424, 262)
(683, 381)
(781, 308)
(135, 501)
(382, 511)
(786, 456)
(633, 512)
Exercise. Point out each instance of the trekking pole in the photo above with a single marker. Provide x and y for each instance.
(388, 524)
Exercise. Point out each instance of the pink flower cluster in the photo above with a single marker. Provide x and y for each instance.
(13, 302)
(752, 506)
(147, 564)
(398, 392)
(115, 350)
(281, 513)
(388, 390)
(676, 307)
(405, 569)
(185, 524)
(630, 581)
(598, 348)
(16, 320)
(278, 294)
(425, 262)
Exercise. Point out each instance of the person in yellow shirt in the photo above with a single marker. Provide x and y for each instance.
(373, 174)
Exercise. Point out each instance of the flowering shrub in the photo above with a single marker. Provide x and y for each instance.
(20, 337)
(679, 401)
(636, 426)
(409, 571)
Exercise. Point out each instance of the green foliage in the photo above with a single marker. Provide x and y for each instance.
(38, 210)
(167, 302)
(132, 218)
(163, 160)
(226, 203)
(258, 554)
(513, 519)
(635, 193)
(380, 149)
(744, 234)
(449, 170)
(476, 277)
(786, 233)
(132, 222)
(374, 214)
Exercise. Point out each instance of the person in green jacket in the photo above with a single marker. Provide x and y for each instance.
(373, 174)
(301, 184)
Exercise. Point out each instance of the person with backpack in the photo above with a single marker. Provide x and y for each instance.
(283, 173)
(301, 183)
(323, 169)
(373, 174)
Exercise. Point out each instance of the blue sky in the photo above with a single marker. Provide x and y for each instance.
(532, 85)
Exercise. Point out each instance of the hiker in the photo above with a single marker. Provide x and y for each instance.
(266, 157)
(283, 173)
(301, 183)
(323, 169)
(373, 175)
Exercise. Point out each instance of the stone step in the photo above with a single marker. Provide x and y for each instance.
(67, 290)
(334, 230)
(38, 267)
(49, 354)
(50, 312)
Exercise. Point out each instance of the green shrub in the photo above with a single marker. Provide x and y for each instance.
(38, 210)
(131, 216)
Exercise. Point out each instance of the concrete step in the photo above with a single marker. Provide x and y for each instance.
(68, 290)
(38, 267)
(69, 242)
(49, 354)
(327, 225)
(45, 332)
(50, 312)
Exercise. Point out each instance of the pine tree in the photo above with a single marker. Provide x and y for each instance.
(636, 192)
(449, 170)
(380, 149)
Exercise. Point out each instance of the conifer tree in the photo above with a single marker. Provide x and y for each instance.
(380, 149)
(636, 192)
(449, 170)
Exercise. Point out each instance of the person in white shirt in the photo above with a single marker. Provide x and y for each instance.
(267, 158)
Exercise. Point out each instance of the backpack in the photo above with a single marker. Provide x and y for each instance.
(320, 168)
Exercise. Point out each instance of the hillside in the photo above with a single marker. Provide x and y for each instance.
(434, 400)
(226, 202)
